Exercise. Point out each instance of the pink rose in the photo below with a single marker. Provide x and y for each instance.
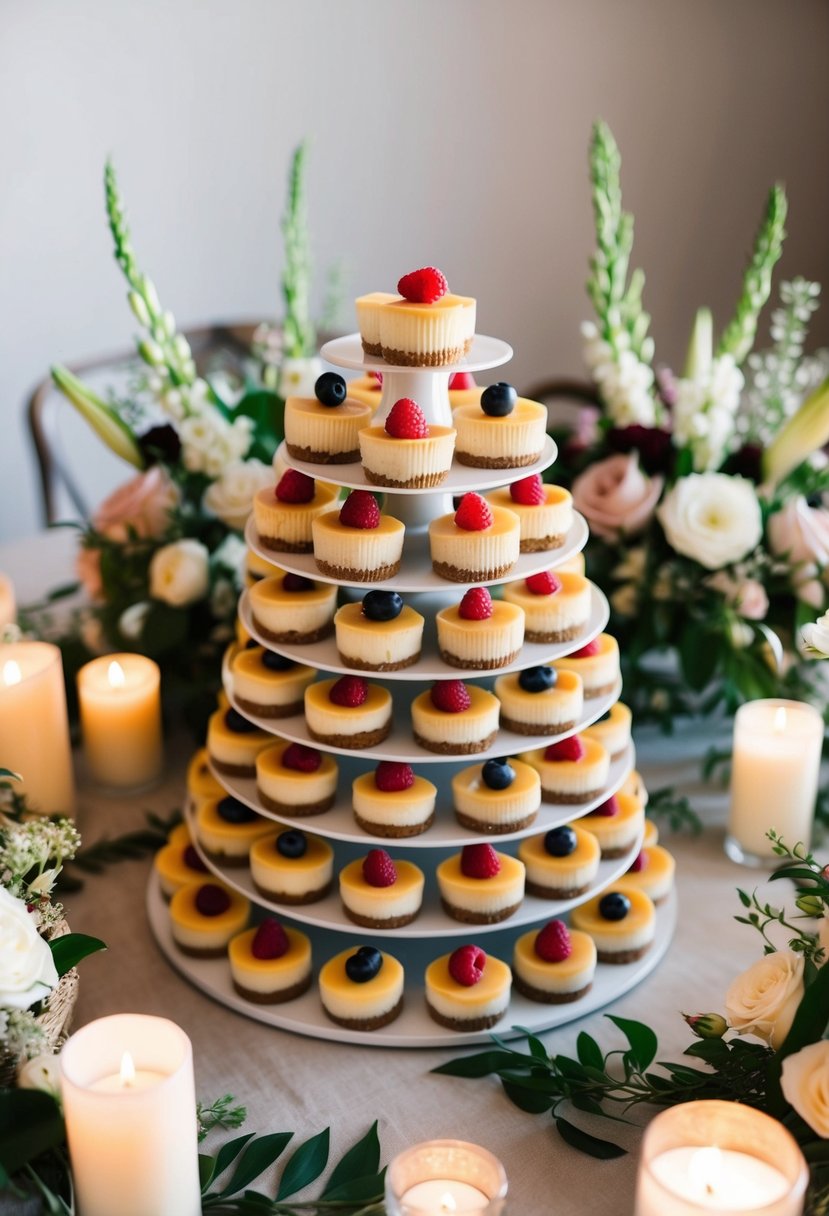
(140, 507)
(88, 570)
(747, 597)
(800, 533)
(615, 496)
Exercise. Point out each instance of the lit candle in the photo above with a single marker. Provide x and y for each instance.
(8, 605)
(130, 1108)
(774, 776)
(34, 727)
(719, 1157)
(444, 1195)
(120, 703)
(441, 1177)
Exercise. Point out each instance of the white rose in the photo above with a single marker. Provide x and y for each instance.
(805, 1085)
(297, 377)
(42, 1072)
(231, 497)
(816, 638)
(712, 518)
(763, 1000)
(27, 969)
(179, 573)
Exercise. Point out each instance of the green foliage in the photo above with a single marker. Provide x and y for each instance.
(71, 948)
(738, 337)
(96, 858)
(665, 803)
(220, 1113)
(30, 1125)
(298, 329)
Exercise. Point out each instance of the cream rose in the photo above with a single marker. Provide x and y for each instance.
(297, 376)
(230, 498)
(41, 1072)
(140, 508)
(763, 1000)
(27, 970)
(816, 638)
(805, 1085)
(615, 496)
(712, 518)
(179, 573)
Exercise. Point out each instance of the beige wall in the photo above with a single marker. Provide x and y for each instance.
(446, 131)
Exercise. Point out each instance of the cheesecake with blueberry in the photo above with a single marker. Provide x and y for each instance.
(406, 452)
(556, 605)
(478, 543)
(540, 701)
(455, 719)
(545, 512)
(561, 863)
(293, 609)
(348, 712)
(284, 515)
(467, 989)
(480, 886)
(292, 867)
(612, 730)
(621, 921)
(617, 824)
(379, 634)
(270, 964)
(201, 784)
(326, 428)
(226, 828)
(233, 743)
(358, 543)
(497, 796)
(480, 633)
(295, 780)
(504, 431)
(393, 801)
(598, 665)
(362, 988)
(424, 325)
(267, 685)
(205, 916)
(554, 965)
(379, 892)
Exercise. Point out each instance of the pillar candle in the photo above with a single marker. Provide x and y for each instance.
(440, 1177)
(8, 606)
(34, 727)
(130, 1107)
(120, 703)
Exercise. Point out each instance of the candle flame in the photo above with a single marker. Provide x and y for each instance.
(127, 1073)
(11, 673)
(706, 1167)
(447, 1203)
(780, 720)
(116, 676)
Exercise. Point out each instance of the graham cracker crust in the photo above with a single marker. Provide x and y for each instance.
(602, 691)
(469, 1024)
(234, 770)
(313, 456)
(423, 482)
(529, 728)
(456, 575)
(361, 665)
(547, 998)
(618, 851)
(454, 660)
(196, 952)
(555, 635)
(478, 918)
(348, 574)
(372, 348)
(390, 831)
(432, 358)
(382, 1019)
(454, 749)
(363, 738)
(623, 956)
(568, 799)
(273, 998)
(540, 544)
(496, 462)
(495, 829)
(294, 901)
(293, 636)
(270, 711)
(232, 860)
(279, 546)
(375, 922)
(297, 811)
(534, 888)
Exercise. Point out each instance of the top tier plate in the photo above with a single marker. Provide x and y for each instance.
(348, 352)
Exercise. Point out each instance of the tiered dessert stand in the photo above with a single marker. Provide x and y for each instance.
(433, 932)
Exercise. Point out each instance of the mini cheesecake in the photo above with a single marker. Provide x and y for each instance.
(556, 607)
(612, 730)
(362, 988)
(393, 801)
(451, 732)
(226, 828)
(464, 555)
(204, 916)
(570, 779)
(621, 921)
(292, 609)
(572, 565)
(467, 990)
(483, 643)
(292, 867)
(233, 743)
(544, 525)
(412, 334)
(349, 723)
(257, 568)
(635, 786)
(243, 638)
(358, 554)
(554, 976)
(180, 834)
(539, 701)
(651, 836)
(322, 434)
(295, 780)
(617, 824)
(379, 893)
(286, 527)
(369, 309)
(368, 644)
(496, 797)
(201, 784)
(406, 463)
(561, 863)
(367, 388)
(270, 966)
(653, 873)
(509, 441)
(178, 865)
(598, 665)
(492, 894)
(267, 685)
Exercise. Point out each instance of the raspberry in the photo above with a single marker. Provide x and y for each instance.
(193, 861)
(212, 900)
(459, 381)
(476, 605)
(545, 583)
(390, 777)
(587, 651)
(350, 691)
(423, 286)
(466, 965)
(567, 749)
(640, 864)
(529, 491)
(378, 869)
(301, 759)
(553, 943)
(474, 513)
(609, 808)
(297, 582)
(406, 420)
(360, 510)
(378, 376)
(295, 487)
(452, 696)
(270, 940)
(479, 861)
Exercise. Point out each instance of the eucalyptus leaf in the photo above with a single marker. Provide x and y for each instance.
(305, 1165)
(360, 1161)
(604, 1150)
(69, 950)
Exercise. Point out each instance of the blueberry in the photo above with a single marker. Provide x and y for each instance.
(234, 811)
(614, 906)
(276, 662)
(251, 644)
(239, 725)
(364, 965)
(330, 389)
(498, 774)
(560, 842)
(538, 679)
(382, 605)
(498, 400)
(292, 844)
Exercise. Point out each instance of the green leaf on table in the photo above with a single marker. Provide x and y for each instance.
(537, 1049)
(258, 1156)
(67, 951)
(30, 1124)
(207, 1170)
(643, 1042)
(305, 1165)
(358, 1190)
(604, 1150)
(589, 1052)
(360, 1161)
(481, 1064)
(534, 1102)
(714, 1051)
(227, 1154)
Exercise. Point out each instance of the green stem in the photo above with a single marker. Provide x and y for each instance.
(738, 337)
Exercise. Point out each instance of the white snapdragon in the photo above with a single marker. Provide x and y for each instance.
(210, 443)
(705, 412)
(624, 382)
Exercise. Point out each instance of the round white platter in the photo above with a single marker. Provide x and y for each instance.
(348, 352)
(445, 833)
(430, 666)
(414, 1027)
(416, 573)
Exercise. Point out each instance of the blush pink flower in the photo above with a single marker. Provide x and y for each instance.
(141, 507)
(748, 596)
(615, 497)
(800, 533)
(88, 570)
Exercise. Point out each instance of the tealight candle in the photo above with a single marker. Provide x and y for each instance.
(719, 1157)
(774, 777)
(34, 727)
(440, 1177)
(120, 705)
(130, 1107)
(8, 605)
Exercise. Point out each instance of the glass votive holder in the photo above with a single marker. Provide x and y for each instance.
(439, 1177)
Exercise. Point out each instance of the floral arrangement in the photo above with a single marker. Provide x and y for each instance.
(704, 491)
(768, 1049)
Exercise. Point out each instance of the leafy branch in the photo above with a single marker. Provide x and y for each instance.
(298, 328)
(130, 846)
(738, 336)
(219, 1113)
(676, 808)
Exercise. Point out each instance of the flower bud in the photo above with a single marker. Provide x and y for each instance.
(169, 323)
(707, 1025)
(150, 296)
(139, 308)
(810, 905)
(181, 346)
(150, 352)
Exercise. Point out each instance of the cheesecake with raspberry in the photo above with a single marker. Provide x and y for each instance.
(554, 965)
(572, 771)
(598, 665)
(284, 515)
(612, 730)
(205, 916)
(545, 512)
(361, 988)
(480, 633)
(561, 863)
(326, 428)
(369, 309)
(497, 796)
(467, 989)
(348, 712)
(617, 824)
(653, 872)
(477, 543)
(378, 892)
(480, 886)
(455, 719)
(406, 452)
(270, 964)
(425, 325)
(293, 609)
(621, 920)
(556, 605)
(295, 780)
(393, 801)
(177, 864)
(226, 828)
(381, 633)
(267, 685)
(539, 701)
(292, 867)
(357, 543)
(463, 390)
(504, 431)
